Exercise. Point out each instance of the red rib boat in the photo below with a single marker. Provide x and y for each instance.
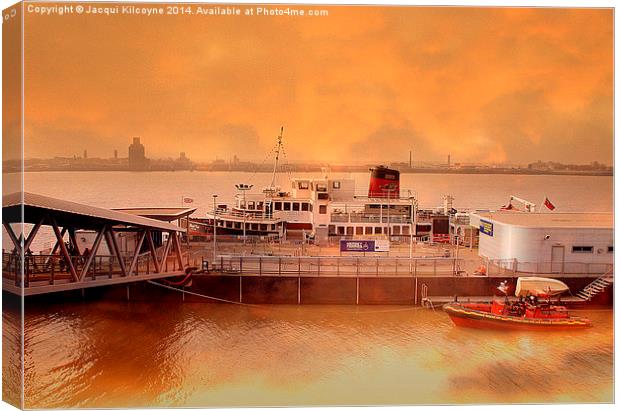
(526, 314)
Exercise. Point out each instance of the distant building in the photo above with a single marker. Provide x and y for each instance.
(137, 159)
(183, 163)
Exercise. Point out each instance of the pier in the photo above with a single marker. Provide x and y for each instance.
(156, 252)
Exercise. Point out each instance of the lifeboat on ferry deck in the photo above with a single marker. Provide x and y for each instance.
(526, 314)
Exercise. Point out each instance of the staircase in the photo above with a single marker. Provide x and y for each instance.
(597, 286)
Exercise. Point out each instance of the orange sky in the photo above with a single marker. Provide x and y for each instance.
(365, 83)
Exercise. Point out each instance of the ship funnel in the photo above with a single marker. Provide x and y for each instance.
(384, 183)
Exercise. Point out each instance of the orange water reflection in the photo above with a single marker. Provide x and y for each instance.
(113, 354)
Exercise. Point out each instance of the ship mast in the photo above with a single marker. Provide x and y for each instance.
(275, 166)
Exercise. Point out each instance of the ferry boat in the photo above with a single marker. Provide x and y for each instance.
(327, 207)
(526, 314)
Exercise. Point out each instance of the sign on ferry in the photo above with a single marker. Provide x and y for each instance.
(364, 246)
(486, 228)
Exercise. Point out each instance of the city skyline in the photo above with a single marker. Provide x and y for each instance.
(487, 85)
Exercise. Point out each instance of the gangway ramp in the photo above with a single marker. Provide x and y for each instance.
(156, 251)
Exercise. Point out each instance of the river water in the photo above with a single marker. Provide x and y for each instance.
(101, 353)
(117, 354)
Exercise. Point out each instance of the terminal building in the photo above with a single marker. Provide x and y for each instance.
(571, 243)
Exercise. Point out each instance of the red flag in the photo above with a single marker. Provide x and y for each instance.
(549, 204)
(188, 200)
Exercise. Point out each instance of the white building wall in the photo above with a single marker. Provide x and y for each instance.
(529, 244)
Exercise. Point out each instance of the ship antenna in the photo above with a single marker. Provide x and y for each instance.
(275, 165)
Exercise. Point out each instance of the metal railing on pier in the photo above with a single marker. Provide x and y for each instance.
(49, 268)
(515, 268)
(327, 266)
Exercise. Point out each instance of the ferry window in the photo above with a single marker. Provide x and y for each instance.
(287, 206)
(303, 185)
(368, 230)
(332, 229)
(277, 206)
(610, 249)
(349, 230)
(341, 230)
(251, 205)
(323, 196)
(582, 249)
(359, 230)
(336, 185)
(295, 206)
(378, 230)
(304, 206)
(322, 209)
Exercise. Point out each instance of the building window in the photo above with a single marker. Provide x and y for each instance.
(287, 206)
(295, 206)
(277, 206)
(336, 185)
(583, 249)
(322, 209)
(303, 185)
(610, 249)
(304, 206)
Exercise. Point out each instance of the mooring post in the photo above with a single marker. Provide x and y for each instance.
(240, 288)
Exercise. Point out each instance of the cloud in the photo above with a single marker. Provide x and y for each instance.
(475, 82)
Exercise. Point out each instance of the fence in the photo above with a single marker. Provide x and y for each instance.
(51, 268)
(337, 266)
(515, 268)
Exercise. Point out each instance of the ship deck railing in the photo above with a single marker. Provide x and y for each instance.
(368, 218)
